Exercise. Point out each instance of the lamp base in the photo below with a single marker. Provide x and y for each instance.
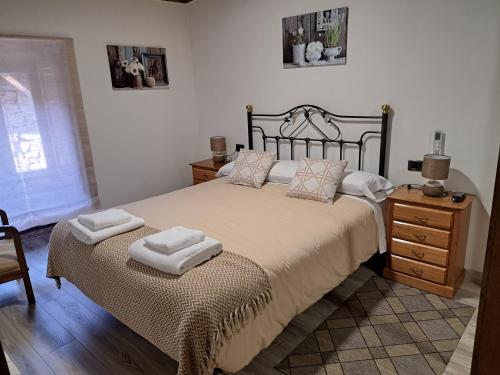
(219, 158)
(433, 188)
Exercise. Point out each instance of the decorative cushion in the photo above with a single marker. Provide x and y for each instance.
(317, 179)
(8, 256)
(251, 168)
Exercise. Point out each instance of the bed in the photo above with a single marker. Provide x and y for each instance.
(305, 248)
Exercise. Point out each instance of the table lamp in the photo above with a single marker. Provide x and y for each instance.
(435, 167)
(218, 147)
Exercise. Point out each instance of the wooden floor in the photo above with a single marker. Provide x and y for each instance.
(67, 333)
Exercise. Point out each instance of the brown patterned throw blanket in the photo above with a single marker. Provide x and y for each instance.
(189, 317)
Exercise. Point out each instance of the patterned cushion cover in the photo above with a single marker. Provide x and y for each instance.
(317, 179)
(251, 168)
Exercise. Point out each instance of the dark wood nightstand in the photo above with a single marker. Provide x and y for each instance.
(205, 170)
(427, 239)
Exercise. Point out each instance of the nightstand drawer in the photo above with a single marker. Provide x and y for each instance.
(202, 175)
(423, 216)
(418, 269)
(422, 253)
(421, 235)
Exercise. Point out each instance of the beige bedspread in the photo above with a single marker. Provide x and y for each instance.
(306, 248)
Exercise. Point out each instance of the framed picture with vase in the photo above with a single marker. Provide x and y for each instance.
(137, 68)
(315, 39)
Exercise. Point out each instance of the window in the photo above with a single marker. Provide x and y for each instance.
(21, 123)
(46, 171)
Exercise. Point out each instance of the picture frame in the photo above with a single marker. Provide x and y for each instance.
(315, 39)
(137, 68)
(155, 65)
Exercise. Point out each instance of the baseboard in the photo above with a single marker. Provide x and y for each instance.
(475, 277)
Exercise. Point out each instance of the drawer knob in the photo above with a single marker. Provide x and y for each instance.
(420, 237)
(422, 219)
(416, 271)
(417, 254)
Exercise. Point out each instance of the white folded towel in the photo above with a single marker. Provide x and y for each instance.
(174, 239)
(90, 237)
(105, 219)
(178, 262)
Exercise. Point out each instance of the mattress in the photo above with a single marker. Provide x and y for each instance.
(306, 248)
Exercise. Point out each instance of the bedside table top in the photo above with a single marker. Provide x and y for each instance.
(209, 164)
(418, 197)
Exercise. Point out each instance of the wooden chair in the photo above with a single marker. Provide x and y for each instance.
(12, 261)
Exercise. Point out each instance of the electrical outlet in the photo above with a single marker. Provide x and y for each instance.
(239, 147)
(415, 165)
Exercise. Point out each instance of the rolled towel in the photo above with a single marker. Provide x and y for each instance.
(174, 239)
(90, 237)
(105, 219)
(178, 262)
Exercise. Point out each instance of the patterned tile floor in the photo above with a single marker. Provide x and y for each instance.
(384, 328)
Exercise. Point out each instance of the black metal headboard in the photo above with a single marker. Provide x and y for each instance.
(286, 120)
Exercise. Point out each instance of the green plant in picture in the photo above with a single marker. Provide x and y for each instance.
(332, 36)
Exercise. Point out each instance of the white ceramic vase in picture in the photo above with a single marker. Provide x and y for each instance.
(299, 53)
(332, 53)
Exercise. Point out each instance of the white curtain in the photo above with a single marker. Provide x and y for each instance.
(46, 169)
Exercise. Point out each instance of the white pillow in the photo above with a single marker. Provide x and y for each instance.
(226, 169)
(283, 171)
(370, 185)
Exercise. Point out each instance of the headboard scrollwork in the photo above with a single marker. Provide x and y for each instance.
(294, 122)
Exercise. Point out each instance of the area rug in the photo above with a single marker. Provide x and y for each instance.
(383, 328)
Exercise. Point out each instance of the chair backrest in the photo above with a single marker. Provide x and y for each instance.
(4, 217)
(11, 232)
(13, 273)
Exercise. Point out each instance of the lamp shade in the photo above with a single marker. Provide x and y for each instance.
(436, 167)
(218, 147)
(218, 144)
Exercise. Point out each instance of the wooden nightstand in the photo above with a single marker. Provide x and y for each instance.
(427, 238)
(205, 170)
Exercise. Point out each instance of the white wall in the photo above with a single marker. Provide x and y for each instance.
(140, 139)
(436, 62)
